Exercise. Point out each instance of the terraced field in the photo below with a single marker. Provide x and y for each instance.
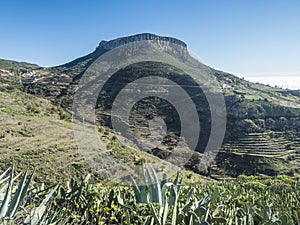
(258, 153)
(263, 144)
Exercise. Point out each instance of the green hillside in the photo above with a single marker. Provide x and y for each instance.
(35, 133)
(262, 135)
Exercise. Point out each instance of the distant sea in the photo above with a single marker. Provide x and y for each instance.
(290, 82)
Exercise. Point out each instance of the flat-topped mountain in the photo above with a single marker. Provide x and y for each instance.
(140, 37)
(263, 122)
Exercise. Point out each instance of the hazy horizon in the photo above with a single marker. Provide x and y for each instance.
(281, 81)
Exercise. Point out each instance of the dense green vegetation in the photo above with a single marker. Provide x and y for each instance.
(248, 200)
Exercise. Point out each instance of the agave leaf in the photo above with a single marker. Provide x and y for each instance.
(175, 190)
(157, 188)
(4, 188)
(165, 213)
(176, 178)
(179, 185)
(6, 200)
(205, 201)
(17, 176)
(163, 192)
(191, 220)
(38, 212)
(143, 194)
(4, 180)
(207, 215)
(26, 188)
(155, 216)
(173, 195)
(136, 190)
(174, 215)
(2, 175)
(144, 176)
(150, 186)
(14, 205)
(144, 198)
(164, 180)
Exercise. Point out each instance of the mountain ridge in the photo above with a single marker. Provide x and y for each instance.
(108, 45)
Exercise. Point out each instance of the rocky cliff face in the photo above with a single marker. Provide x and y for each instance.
(163, 41)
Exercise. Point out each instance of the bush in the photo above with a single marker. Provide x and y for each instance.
(27, 131)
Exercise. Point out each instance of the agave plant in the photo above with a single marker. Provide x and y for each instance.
(152, 190)
(166, 194)
(10, 203)
(41, 213)
(12, 196)
(153, 202)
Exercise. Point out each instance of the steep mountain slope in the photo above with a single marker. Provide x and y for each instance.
(262, 134)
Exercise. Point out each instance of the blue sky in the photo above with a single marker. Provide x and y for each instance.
(248, 38)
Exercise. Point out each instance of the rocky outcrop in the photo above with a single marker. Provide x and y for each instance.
(169, 44)
(108, 45)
